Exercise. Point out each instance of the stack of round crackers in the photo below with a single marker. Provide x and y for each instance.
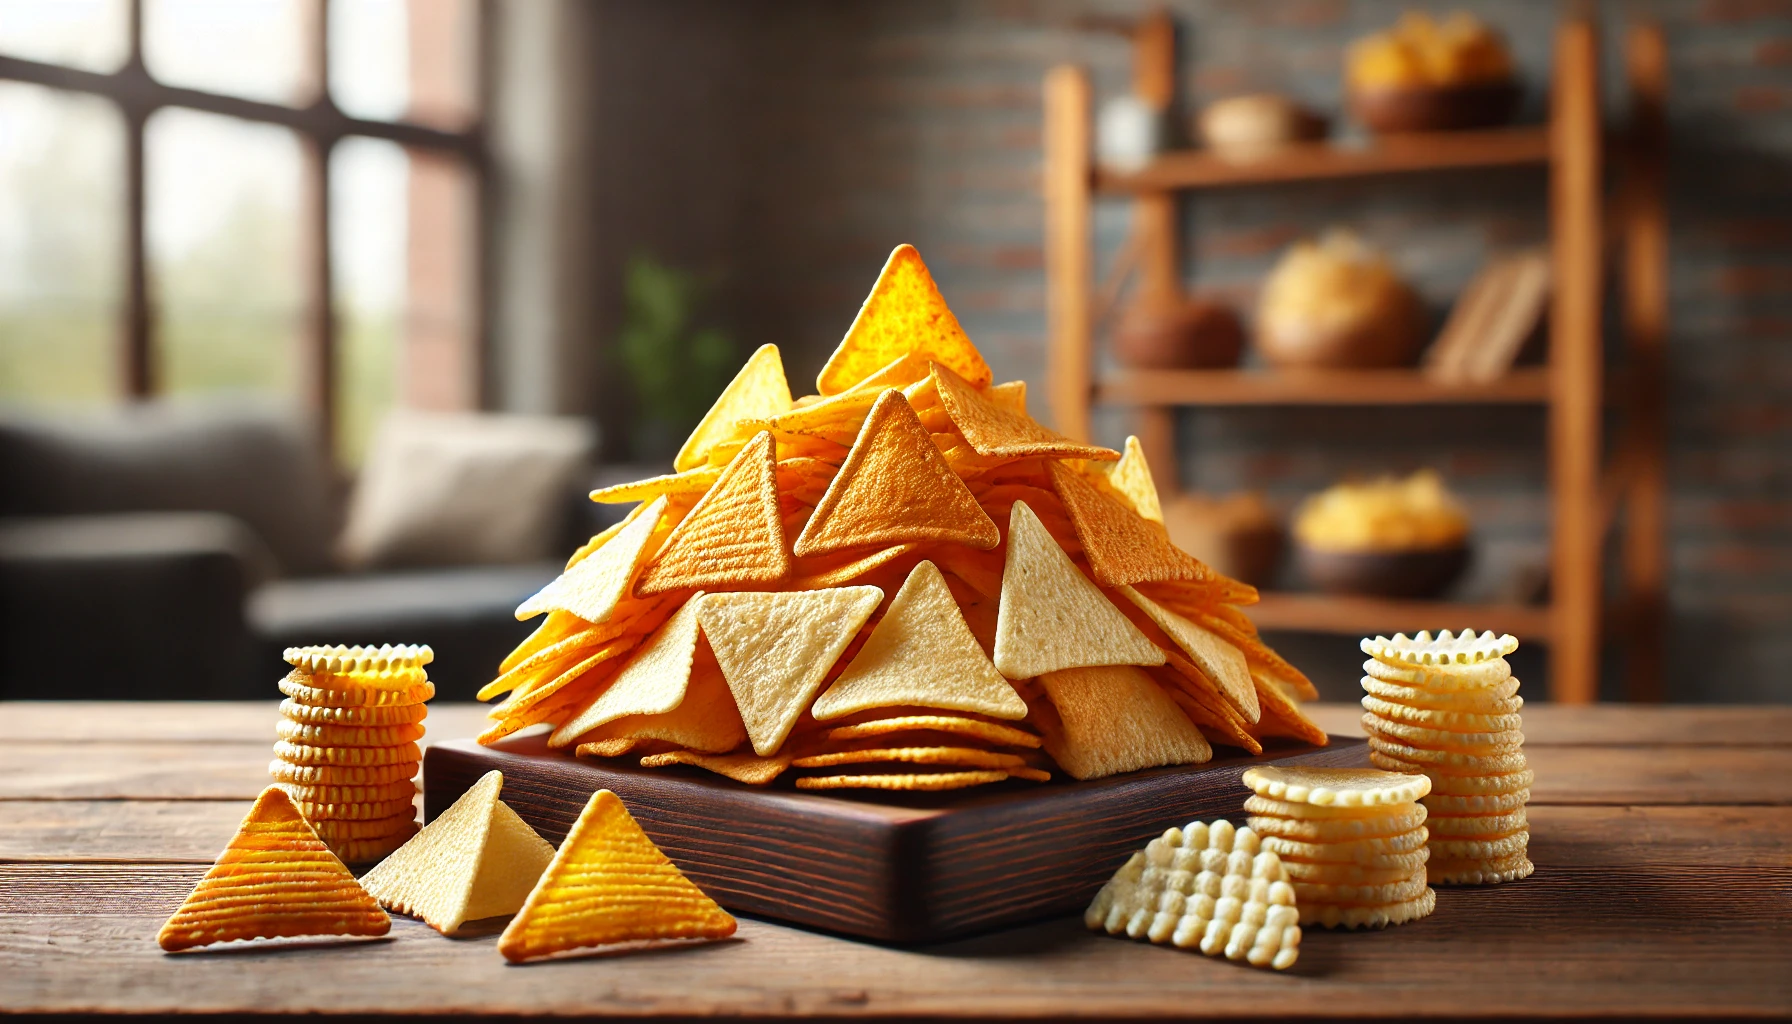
(347, 753)
(1447, 707)
(1351, 839)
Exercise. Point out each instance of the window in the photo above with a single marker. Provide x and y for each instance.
(277, 197)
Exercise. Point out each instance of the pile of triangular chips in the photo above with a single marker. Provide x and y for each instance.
(902, 582)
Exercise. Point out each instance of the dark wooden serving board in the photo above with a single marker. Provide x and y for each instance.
(892, 867)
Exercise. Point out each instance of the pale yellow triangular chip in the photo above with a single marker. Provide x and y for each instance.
(476, 860)
(592, 588)
(904, 313)
(275, 879)
(705, 720)
(1002, 433)
(733, 537)
(1217, 659)
(776, 649)
(759, 391)
(607, 884)
(652, 682)
(921, 654)
(1131, 479)
(893, 488)
(1113, 719)
(1052, 617)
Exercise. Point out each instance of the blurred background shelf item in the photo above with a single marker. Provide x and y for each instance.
(1244, 129)
(1367, 616)
(1497, 314)
(1528, 385)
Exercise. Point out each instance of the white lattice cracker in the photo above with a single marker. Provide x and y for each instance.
(1205, 886)
(1336, 787)
(340, 660)
(1464, 648)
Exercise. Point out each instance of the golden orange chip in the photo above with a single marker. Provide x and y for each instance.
(692, 482)
(1122, 546)
(918, 783)
(1010, 395)
(615, 746)
(394, 714)
(608, 883)
(347, 735)
(705, 720)
(894, 488)
(595, 668)
(1231, 625)
(968, 757)
(1209, 711)
(1281, 716)
(904, 314)
(981, 569)
(1130, 478)
(550, 660)
(832, 418)
(593, 588)
(403, 789)
(989, 732)
(652, 682)
(733, 537)
(757, 392)
(275, 879)
(822, 573)
(332, 830)
(1219, 661)
(556, 628)
(748, 768)
(1000, 433)
(342, 775)
(299, 753)
(1115, 719)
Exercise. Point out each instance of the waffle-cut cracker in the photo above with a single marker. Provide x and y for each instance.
(904, 314)
(1205, 887)
(1481, 785)
(1481, 677)
(842, 569)
(1476, 826)
(1369, 851)
(1311, 812)
(1280, 715)
(894, 488)
(1472, 872)
(706, 720)
(1130, 478)
(275, 879)
(1113, 719)
(404, 789)
(347, 735)
(370, 851)
(1335, 787)
(734, 535)
(389, 715)
(933, 782)
(609, 884)
(1480, 849)
(1449, 761)
(1392, 868)
(1052, 618)
(1337, 829)
(334, 830)
(758, 391)
(300, 753)
(1001, 433)
(342, 774)
(921, 654)
(1467, 722)
(343, 660)
(962, 757)
(1219, 661)
(747, 768)
(1485, 803)
(1410, 887)
(298, 686)
(652, 682)
(1334, 916)
(690, 483)
(1442, 739)
(317, 812)
(594, 587)
(478, 859)
(775, 650)
(1122, 546)
(989, 732)
(1464, 648)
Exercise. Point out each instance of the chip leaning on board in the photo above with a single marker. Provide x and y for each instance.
(902, 582)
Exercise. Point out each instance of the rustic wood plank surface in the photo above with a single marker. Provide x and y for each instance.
(1663, 839)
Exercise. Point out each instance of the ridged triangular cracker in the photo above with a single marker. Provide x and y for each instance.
(757, 392)
(1122, 546)
(607, 884)
(1217, 659)
(1114, 719)
(652, 682)
(1002, 433)
(1051, 616)
(1131, 479)
(921, 654)
(894, 487)
(776, 649)
(276, 879)
(733, 537)
(592, 588)
(904, 313)
(476, 860)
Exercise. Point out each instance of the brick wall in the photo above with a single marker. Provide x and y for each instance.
(789, 146)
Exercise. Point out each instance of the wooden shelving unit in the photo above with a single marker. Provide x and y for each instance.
(1584, 497)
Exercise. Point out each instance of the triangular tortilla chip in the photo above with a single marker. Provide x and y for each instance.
(894, 488)
(1217, 659)
(652, 682)
(1051, 616)
(759, 391)
(748, 768)
(476, 860)
(999, 433)
(776, 649)
(1243, 635)
(1211, 714)
(1114, 719)
(608, 883)
(1281, 716)
(921, 654)
(1131, 479)
(692, 482)
(276, 879)
(822, 573)
(733, 537)
(1121, 545)
(1010, 395)
(592, 588)
(704, 720)
(904, 313)
(556, 628)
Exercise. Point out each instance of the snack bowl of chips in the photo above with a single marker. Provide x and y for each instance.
(1425, 75)
(1388, 537)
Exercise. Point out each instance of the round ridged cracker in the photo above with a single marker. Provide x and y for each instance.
(1320, 872)
(1464, 648)
(1336, 830)
(390, 714)
(334, 830)
(914, 783)
(1335, 787)
(365, 810)
(355, 696)
(404, 789)
(342, 774)
(1483, 803)
(341, 659)
(1481, 872)
(1328, 916)
(347, 735)
(1502, 699)
(1488, 675)
(1500, 742)
(1307, 812)
(1448, 721)
(968, 757)
(989, 732)
(1348, 855)
(300, 753)
(1476, 826)
(1447, 761)
(1410, 887)
(1481, 785)
(364, 851)
(1480, 849)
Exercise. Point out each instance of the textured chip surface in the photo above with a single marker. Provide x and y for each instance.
(733, 536)
(1115, 718)
(593, 587)
(1121, 546)
(758, 391)
(904, 314)
(652, 682)
(1002, 433)
(1341, 787)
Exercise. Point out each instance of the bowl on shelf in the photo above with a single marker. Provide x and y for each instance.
(1178, 334)
(1238, 534)
(1337, 302)
(1413, 574)
(1394, 110)
(1393, 339)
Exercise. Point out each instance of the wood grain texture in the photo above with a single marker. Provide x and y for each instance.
(1616, 725)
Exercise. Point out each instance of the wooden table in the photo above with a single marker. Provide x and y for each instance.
(1663, 840)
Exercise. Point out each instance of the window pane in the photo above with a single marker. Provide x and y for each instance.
(224, 250)
(251, 48)
(404, 59)
(88, 34)
(61, 228)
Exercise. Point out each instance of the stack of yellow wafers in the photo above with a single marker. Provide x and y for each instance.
(1352, 841)
(347, 753)
(1447, 707)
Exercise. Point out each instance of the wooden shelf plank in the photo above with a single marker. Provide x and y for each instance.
(1367, 616)
(1319, 161)
(1316, 387)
